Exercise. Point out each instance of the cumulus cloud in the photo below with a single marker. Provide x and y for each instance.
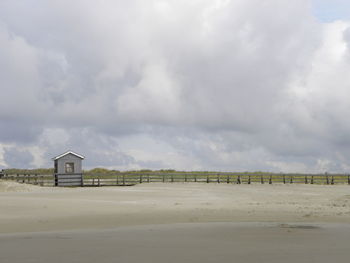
(195, 85)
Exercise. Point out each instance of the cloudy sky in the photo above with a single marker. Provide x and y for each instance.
(227, 85)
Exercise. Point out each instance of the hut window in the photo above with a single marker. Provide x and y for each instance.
(69, 167)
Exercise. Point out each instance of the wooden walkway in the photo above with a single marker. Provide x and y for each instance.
(128, 179)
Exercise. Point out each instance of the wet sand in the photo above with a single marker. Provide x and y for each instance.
(191, 222)
(198, 242)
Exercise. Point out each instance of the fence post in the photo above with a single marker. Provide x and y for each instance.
(207, 179)
(123, 179)
(332, 180)
(195, 179)
(218, 178)
(270, 179)
(239, 179)
(306, 182)
(36, 179)
(312, 179)
(327, 179)
(348, 179)
(262, 179)
(172, 178)
(42, 181)
(141, 179)
(249, 179)
(284, 179)
(163, 178)
(148, 179)
(291, 179)
(98, 181)
(228, 179)
(185, 178)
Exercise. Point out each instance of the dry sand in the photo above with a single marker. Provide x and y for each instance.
(27, 208)
(157, 222)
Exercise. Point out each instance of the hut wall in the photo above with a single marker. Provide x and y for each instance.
(69, 158)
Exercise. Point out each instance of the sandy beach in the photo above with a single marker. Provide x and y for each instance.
(28, 208)
(191, 222)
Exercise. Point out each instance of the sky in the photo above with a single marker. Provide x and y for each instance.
(224, 85)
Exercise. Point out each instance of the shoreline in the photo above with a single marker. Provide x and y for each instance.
(297, 226)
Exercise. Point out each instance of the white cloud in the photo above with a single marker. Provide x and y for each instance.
(2, 160)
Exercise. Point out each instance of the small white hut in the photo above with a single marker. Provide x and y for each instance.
(68, 169)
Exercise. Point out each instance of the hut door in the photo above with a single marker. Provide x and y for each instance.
(56, 167)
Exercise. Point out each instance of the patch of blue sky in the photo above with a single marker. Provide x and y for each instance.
(331, 10)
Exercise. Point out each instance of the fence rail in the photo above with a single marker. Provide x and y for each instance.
(43, 180)
(128, 179)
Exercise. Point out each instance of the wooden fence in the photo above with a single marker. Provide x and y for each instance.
(127, 179)
(74, 179)
(43, 180)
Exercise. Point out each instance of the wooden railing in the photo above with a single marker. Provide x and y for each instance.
(43, 180)
(127, 179)
(72, 179)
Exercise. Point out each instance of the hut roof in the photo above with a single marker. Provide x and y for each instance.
(69, 152)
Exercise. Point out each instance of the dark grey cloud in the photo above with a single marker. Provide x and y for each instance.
(18, 159)
(225, 85)
(21, 131)
(99, 149)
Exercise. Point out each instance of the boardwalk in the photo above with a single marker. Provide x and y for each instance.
(127, 179)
